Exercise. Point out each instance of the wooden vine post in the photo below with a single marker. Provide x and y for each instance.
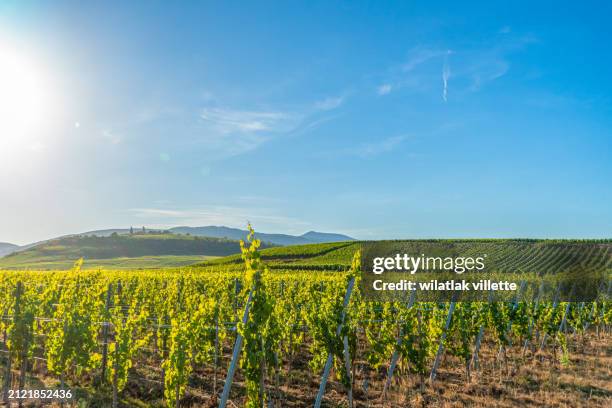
(474, 361)
(18, 315)
(531, 320)
(554, 307)
(449, 318)
(330, 356)
(8, 372)
(216, 359)
(515, 304)
(105, 330)
(235, 356)
(395, 356)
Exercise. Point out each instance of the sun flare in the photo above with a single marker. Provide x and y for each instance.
(24, 102)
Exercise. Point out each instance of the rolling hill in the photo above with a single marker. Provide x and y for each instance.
(6, 248)
(151, 250)
(122, 247)
(236, 234)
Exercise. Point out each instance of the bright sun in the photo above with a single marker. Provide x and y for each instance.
(24, 104)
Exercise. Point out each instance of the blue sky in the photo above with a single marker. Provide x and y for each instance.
(374, 119)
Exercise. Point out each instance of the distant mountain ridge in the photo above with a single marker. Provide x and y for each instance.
(322, 237)
(311, 237)
(6, 248)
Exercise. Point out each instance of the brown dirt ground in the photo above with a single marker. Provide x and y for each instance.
(533, 380)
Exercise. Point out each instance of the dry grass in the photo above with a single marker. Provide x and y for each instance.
(533, 380)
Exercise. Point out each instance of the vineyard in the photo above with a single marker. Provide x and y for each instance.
(289, 327)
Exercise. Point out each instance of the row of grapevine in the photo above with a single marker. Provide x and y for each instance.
(97, 328)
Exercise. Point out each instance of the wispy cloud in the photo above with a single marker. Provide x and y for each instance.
(330, 103)
(472, 68)
(229, 120)
(485, 71)
(229, 132)
(419, 56)
(366, 150)
(313, 123)
(384, 89)
(414, 73)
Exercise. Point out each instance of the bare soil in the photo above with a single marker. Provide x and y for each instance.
(532, 380)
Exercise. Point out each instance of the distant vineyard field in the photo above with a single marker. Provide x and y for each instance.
(544, 256)
(140, 262)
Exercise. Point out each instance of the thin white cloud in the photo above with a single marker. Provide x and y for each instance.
(309, 125)
(472, 68)
(414, 73)
(487, 71)
(330, 103)
(229, 132)
(384, 89)
(376, 148)
(229, 121)
(419, 56)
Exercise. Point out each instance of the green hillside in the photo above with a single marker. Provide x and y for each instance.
(154, 250)
(544, 256)
(150, 250)
(327, 256)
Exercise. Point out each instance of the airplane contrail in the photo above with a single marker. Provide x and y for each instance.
(445, 77)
